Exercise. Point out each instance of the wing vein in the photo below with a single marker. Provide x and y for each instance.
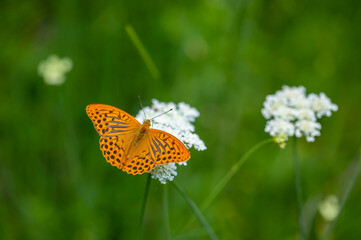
(116, 131)
(115, 126)
(153, 150)
(156, 145)
(116, 122)
(159, 143)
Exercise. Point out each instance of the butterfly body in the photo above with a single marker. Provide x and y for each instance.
(143, 130)
(131, 146)
(140, 134)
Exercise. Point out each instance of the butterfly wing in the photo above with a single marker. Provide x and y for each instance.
(139, 159)
(114, 148)
(111, 121)
(116, 129)
(158, 147)
(166, 148)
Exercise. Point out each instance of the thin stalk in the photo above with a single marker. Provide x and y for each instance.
(166, 228)
(144, 204)
(142, 51)
(297, 175)
(219, 187)
(344, 200)
(196, 212)
(222, 183)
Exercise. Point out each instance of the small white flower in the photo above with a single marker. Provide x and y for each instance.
(329, 208)
(179, 123)
(322, 105)
(285, 113)
(292, 94)
(290, 111)
(300, 102)
(310, 129)
(271, 105)
(279, 126)
(306, 114)
(164, 172)
(53, 69)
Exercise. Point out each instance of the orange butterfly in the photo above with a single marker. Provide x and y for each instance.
(132, 146)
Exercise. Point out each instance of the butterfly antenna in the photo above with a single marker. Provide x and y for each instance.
(142, 107)
(162, 114)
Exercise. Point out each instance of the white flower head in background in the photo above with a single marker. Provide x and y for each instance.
(179, 123)
(290, 112)
(53, 69)
(329, 208)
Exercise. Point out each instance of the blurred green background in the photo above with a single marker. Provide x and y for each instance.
(221, 57)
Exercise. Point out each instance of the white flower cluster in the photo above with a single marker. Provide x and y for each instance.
(179, 123)
(53, 69)
(329, 208)
(290, 112)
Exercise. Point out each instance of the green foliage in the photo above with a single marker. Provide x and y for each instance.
(222, 57)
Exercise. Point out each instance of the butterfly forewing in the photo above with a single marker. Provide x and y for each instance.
(111, 121)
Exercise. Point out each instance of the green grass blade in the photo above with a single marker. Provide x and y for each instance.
(144, 204)
(353, 173)
(297, 175)
(166, 229)
(142, 51)
(197, 212)
(308, 214)
(221, 184)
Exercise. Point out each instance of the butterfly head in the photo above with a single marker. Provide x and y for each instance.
(146, 123)
(142, 131)
(145, 127)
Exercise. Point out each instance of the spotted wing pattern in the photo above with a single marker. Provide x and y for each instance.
(118, 129)
(111, 121)
(114, 148)
(166, 147)
(158, 147)
(139, 159)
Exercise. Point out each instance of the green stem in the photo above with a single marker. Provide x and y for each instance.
(219, 187)
(297, 175)
(344, 200)
(142, 51)
(144, 204)
(166, 228)
(197, 212)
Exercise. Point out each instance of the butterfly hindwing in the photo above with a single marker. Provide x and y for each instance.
(138, 165)
(158, 147)
(114, 148)
(111, 121)
(140, 160)
(166, 148)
